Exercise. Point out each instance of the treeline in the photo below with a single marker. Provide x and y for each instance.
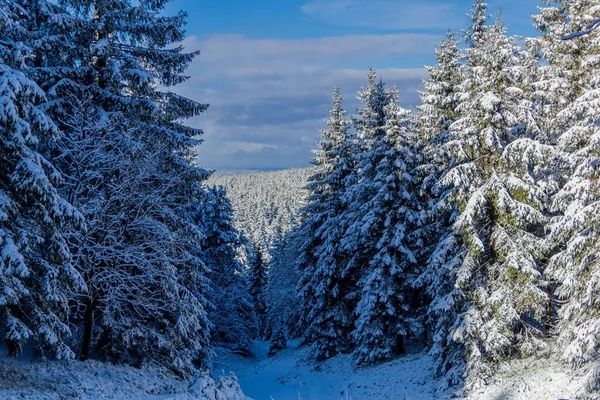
(266, 204)
(111, 246)
(266, 211)
(472, 226)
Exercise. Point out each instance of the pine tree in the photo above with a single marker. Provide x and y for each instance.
(232, 314)
(145, 276)
(326, 319)
(474, 34)
(383, 313)
(557, 81)
(37, 274)
(437, 113)
(484, 278)
(281, 296)
(278, 340)
(258, 284)
(440, 97)
(370, 149)
(574, 232)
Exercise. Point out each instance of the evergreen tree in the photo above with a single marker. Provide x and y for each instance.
(278, 340)
(474, 34)
(142, 264)
(282, 299)
(326, 318)
(557, 83)
(371, 148)
(440, 97)
(37, 274)
(232, 315)
(437, 113)
(383, 313)
(484, 278)
(258, 285)
(574, 231)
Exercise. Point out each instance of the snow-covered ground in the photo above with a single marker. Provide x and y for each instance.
(25, 378)
(290, 375)
(536, 379)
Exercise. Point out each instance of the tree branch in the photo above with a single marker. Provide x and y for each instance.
(588, 29)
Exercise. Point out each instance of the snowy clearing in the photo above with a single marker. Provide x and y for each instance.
(291, 375)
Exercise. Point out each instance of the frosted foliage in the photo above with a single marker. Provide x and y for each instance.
(266, 210)
(226, 387)
(139, 256)
(484, 274)
(323, 288)
(36, 270)
(474, 35)
(574, 232)
(127, 159)
(439, 98)
(386, 222)
(232, 312)
(266, 205)
(281, 296)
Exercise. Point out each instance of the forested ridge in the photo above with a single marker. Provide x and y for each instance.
(467, 227)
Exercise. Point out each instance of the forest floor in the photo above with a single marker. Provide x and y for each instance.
(31, 379)
(291, 375)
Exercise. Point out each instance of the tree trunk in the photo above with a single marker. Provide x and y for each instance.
(88, 327)
(399, 344)
(549, 310)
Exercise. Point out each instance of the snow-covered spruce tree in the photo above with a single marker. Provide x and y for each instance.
(557, 83)
(36, 271)
(383, 313)
(485, 278)
(438, 111)
(146, 300)
(281, 296)
(575, 231)
(369, 150)
(325, 314)
(232, 313)
(478, 17)
(258, 270)
(440, 97)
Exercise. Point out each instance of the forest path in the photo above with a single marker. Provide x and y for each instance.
(290, 375)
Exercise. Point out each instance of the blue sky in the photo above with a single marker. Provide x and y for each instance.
(268, 67)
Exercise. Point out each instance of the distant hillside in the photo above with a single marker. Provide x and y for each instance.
(266, 204)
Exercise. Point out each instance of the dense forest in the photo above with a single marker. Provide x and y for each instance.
(468, 227)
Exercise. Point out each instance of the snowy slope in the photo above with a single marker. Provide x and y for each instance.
(25, 378)
(290, 375)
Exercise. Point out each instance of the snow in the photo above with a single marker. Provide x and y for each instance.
(533, 379)
(27, 378)
(289, 375)
(292, 375)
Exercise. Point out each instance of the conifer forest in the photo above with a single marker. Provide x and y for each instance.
(461, 235)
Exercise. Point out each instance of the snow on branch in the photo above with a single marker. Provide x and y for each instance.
(588, 29)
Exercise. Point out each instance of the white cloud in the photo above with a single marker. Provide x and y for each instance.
(386, 14)
(268, 97)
